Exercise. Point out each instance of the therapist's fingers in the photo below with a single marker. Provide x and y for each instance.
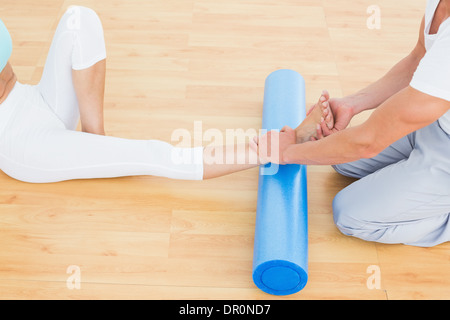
(253, 143)
(286, 129)
(326, 131)
(319, 131)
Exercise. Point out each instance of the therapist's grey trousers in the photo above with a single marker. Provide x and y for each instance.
(402, 195)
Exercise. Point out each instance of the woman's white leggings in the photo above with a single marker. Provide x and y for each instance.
(38, 141)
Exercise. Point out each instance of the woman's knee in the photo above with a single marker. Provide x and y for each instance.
(86, 27)
(76, 15)
(82, 20)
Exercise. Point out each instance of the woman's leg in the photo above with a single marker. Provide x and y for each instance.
(89, 86)
(73, 80)
(217, 162)
(51, 153)
(73, 86)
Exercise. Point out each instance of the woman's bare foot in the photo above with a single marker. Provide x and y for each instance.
(321, 112)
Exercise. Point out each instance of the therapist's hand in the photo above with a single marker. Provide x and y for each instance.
(342, 109)
(271, 146)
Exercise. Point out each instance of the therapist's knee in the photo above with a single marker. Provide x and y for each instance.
(348, 170)
(350, 216)
(346, 213)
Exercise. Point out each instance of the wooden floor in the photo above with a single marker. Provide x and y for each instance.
(173, 62)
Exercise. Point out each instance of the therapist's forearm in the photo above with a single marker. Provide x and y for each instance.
(378, 92)
(342, 147)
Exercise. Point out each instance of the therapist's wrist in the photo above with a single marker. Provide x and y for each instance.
(357, 103)
(288, 155)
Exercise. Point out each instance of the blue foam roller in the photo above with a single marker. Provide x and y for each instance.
(280, 260)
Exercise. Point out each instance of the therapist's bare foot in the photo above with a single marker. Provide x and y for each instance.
(321, 112)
